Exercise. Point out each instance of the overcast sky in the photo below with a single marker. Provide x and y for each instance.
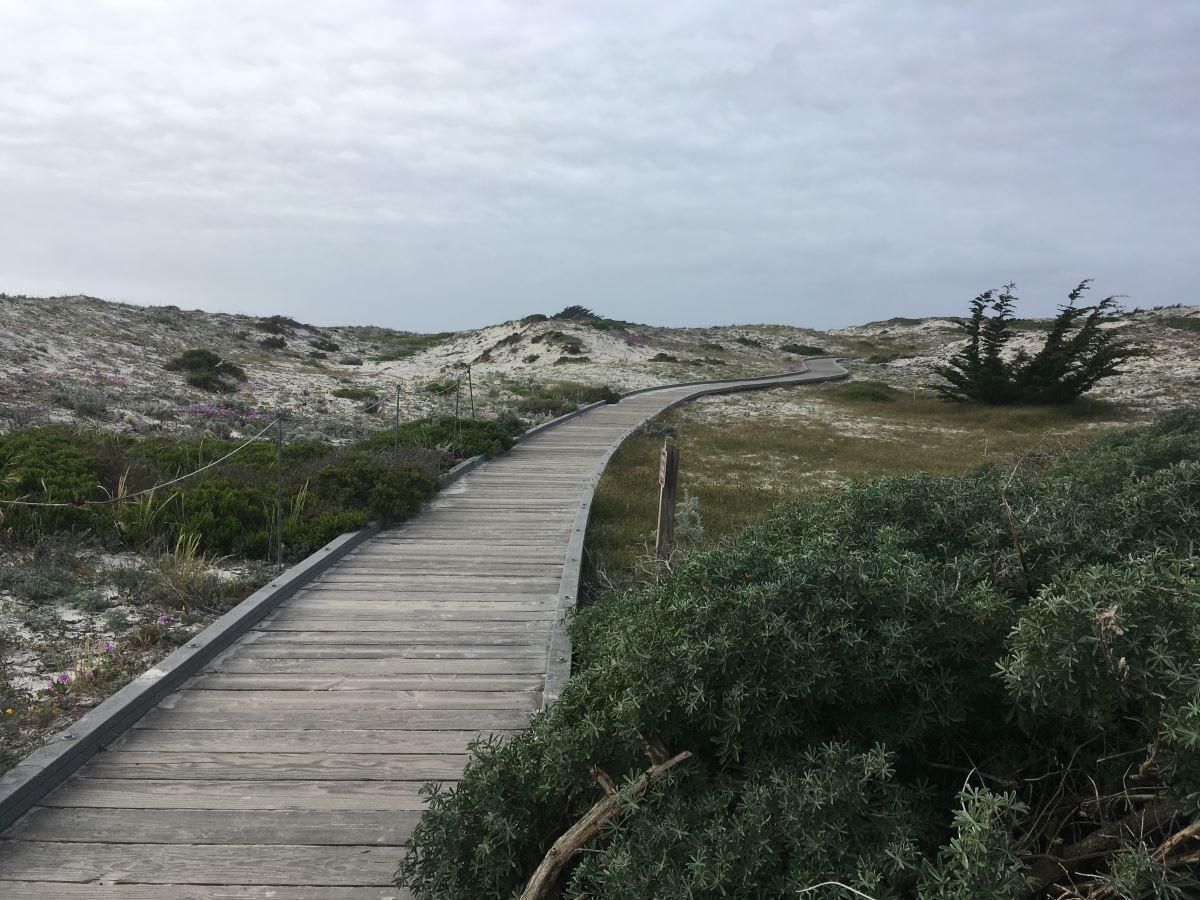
(447, 164)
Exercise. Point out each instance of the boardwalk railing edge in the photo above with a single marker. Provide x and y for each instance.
(558, 668)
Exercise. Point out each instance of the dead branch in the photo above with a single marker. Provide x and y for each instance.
(1103, 840)
(582, 832)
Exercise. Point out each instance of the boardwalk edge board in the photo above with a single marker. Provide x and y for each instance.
(558, 668)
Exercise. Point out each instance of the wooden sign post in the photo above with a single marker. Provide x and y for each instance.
(668, 478)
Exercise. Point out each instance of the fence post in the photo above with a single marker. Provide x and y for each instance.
(279, 490)
(396, 429)
(471, 391)
(668, 478)
(457, 396)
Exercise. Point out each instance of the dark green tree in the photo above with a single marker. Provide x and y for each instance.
(1081, 348)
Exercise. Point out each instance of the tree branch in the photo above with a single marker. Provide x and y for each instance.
(545, 877)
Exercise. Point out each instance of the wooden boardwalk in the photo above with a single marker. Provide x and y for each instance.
(290, 767)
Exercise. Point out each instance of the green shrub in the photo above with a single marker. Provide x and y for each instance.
(354, 393)
(458, 440)
(510, 423)
(749, 341)
(664, 357)
(231, 518)
(324, 345)
(208, 381)
(207, 371)
(327, 491)
(370, 483)
(277, 324)
(918, 687)
(36, 583)
(712, 345)
(1183, 323)
(193, 361)
(803, 350)
(350, 361)
(47, 465)
(531, 358)
(575, 312)
(273, 343)
(84, 400)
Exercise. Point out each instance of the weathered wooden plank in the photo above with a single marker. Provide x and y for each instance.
(387, 650)
(250, 740)
(163, 766)
(517, 666)
(138, 793)
(483, 568)
(224, 826)
(531, 683)
(323, 595)
(469, 629)
(314, 610)
(445, 582)
(265, 718)
(277, 864)
(202, 702)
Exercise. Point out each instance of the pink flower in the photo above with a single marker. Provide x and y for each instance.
(64, 677)
(162, 620)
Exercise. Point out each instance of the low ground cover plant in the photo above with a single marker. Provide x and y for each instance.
(974, 686)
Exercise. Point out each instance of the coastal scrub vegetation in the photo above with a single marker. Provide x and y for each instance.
(978, 686)
(97, 479)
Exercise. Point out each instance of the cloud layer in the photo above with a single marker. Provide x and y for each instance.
(432, 165)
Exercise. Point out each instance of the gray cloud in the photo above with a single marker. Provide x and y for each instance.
(430, 165)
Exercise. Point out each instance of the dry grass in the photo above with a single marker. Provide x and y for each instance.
(740, 459)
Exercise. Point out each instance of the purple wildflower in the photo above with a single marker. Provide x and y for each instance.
(162, 620)
(64, 677)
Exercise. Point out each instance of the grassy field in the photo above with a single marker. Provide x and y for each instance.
(739, 459)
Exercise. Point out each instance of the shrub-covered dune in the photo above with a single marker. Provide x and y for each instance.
(960, 688)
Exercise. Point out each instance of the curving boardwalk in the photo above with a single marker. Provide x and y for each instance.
(290, 767)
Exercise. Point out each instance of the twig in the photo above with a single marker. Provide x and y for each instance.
(856, 893)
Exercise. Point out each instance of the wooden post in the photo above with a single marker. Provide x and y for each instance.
(668, 478)
(457, 397)
(471, 392)
(396, 429)
(279, 492)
